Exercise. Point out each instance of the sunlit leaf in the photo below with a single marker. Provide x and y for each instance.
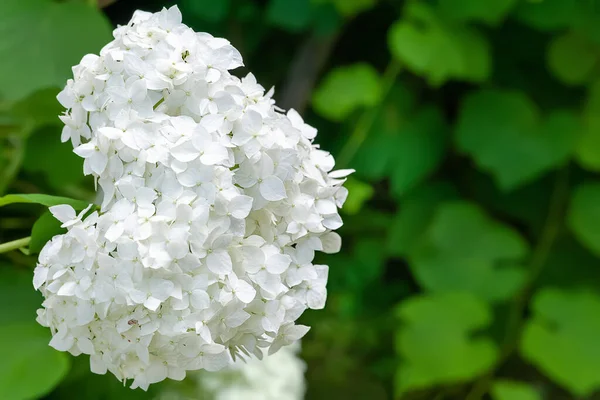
(346, 89)
(561, 338)
(436, 342)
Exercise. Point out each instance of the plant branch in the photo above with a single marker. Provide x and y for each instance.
(539, 258)
(14, 245)
(364, 124)
(304, 71)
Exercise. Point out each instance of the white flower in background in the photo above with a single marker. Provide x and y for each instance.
(213, 204)
(276, 377)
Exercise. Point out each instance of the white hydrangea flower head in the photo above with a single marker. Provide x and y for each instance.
(276, 377)
(213, 203)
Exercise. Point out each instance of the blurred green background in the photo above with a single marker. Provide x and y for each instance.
(471, 259)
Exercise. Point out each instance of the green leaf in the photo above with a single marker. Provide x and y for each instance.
(29, 368)
(377, 155)
(39, 109)
(418, 150)
(44, 229)
(42, 39)
(18, 299)
(403, 145)
(491, 12)
(358, 193)
(436, 340)
(561, 339)
(42, 151)
(588, 147)
(292, 15)
(512, 390)
(505, 135)
(584, 215)
(208, 10)
(349, 8)
(548, 14)
(415, 215)
(572, 58)
(465, 250)
(436, 50)
(346, 89)
(43, 199)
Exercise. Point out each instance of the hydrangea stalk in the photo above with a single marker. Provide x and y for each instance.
(213, 202)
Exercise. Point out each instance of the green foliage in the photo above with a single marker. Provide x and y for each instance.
(436, 340)
(293, 15)
(44, 229)
(358, 193)
(476, 150)
(29, 367)
(561, 338)
(511, 390)
(572, 58)
(491, 12)
(588, 148)
(345, 89)
(437, 49)
(40, 32)
(517, 145)
(43, 199)
(584, 215)
(465, 250)
(209, 10)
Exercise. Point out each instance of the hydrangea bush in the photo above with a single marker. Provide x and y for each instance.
(213, 203)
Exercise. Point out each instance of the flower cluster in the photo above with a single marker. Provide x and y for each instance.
(213, 203)
(277, 377)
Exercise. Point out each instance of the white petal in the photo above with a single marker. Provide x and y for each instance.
(219, 262)
(272, 189)
(63, 212)
(278, 263)
(240, 206)
(245, 292)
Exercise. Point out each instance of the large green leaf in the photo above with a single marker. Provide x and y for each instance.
(436, 341)
(41, 39)
(418, 150)
(439, 51)
(548, 14)
(349, 8)
(209, 10)
(42, 151)
(584, 215)
(44, 229)
(491, 12)
(43, 199)
(562, 338)
(572, 58)
(406, 148)
(588, 147)
(505, 135)
(346, 89)
(18, 298)
(292, 15)
(512, 390)
(358, 193)
(414, 216)
(466, 250)
(29, 368)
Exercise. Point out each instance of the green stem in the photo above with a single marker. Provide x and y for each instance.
(364, 124)
(539, 258)
(14, 245)
(158, 103)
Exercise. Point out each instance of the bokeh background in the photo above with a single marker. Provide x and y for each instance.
(470, 267)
